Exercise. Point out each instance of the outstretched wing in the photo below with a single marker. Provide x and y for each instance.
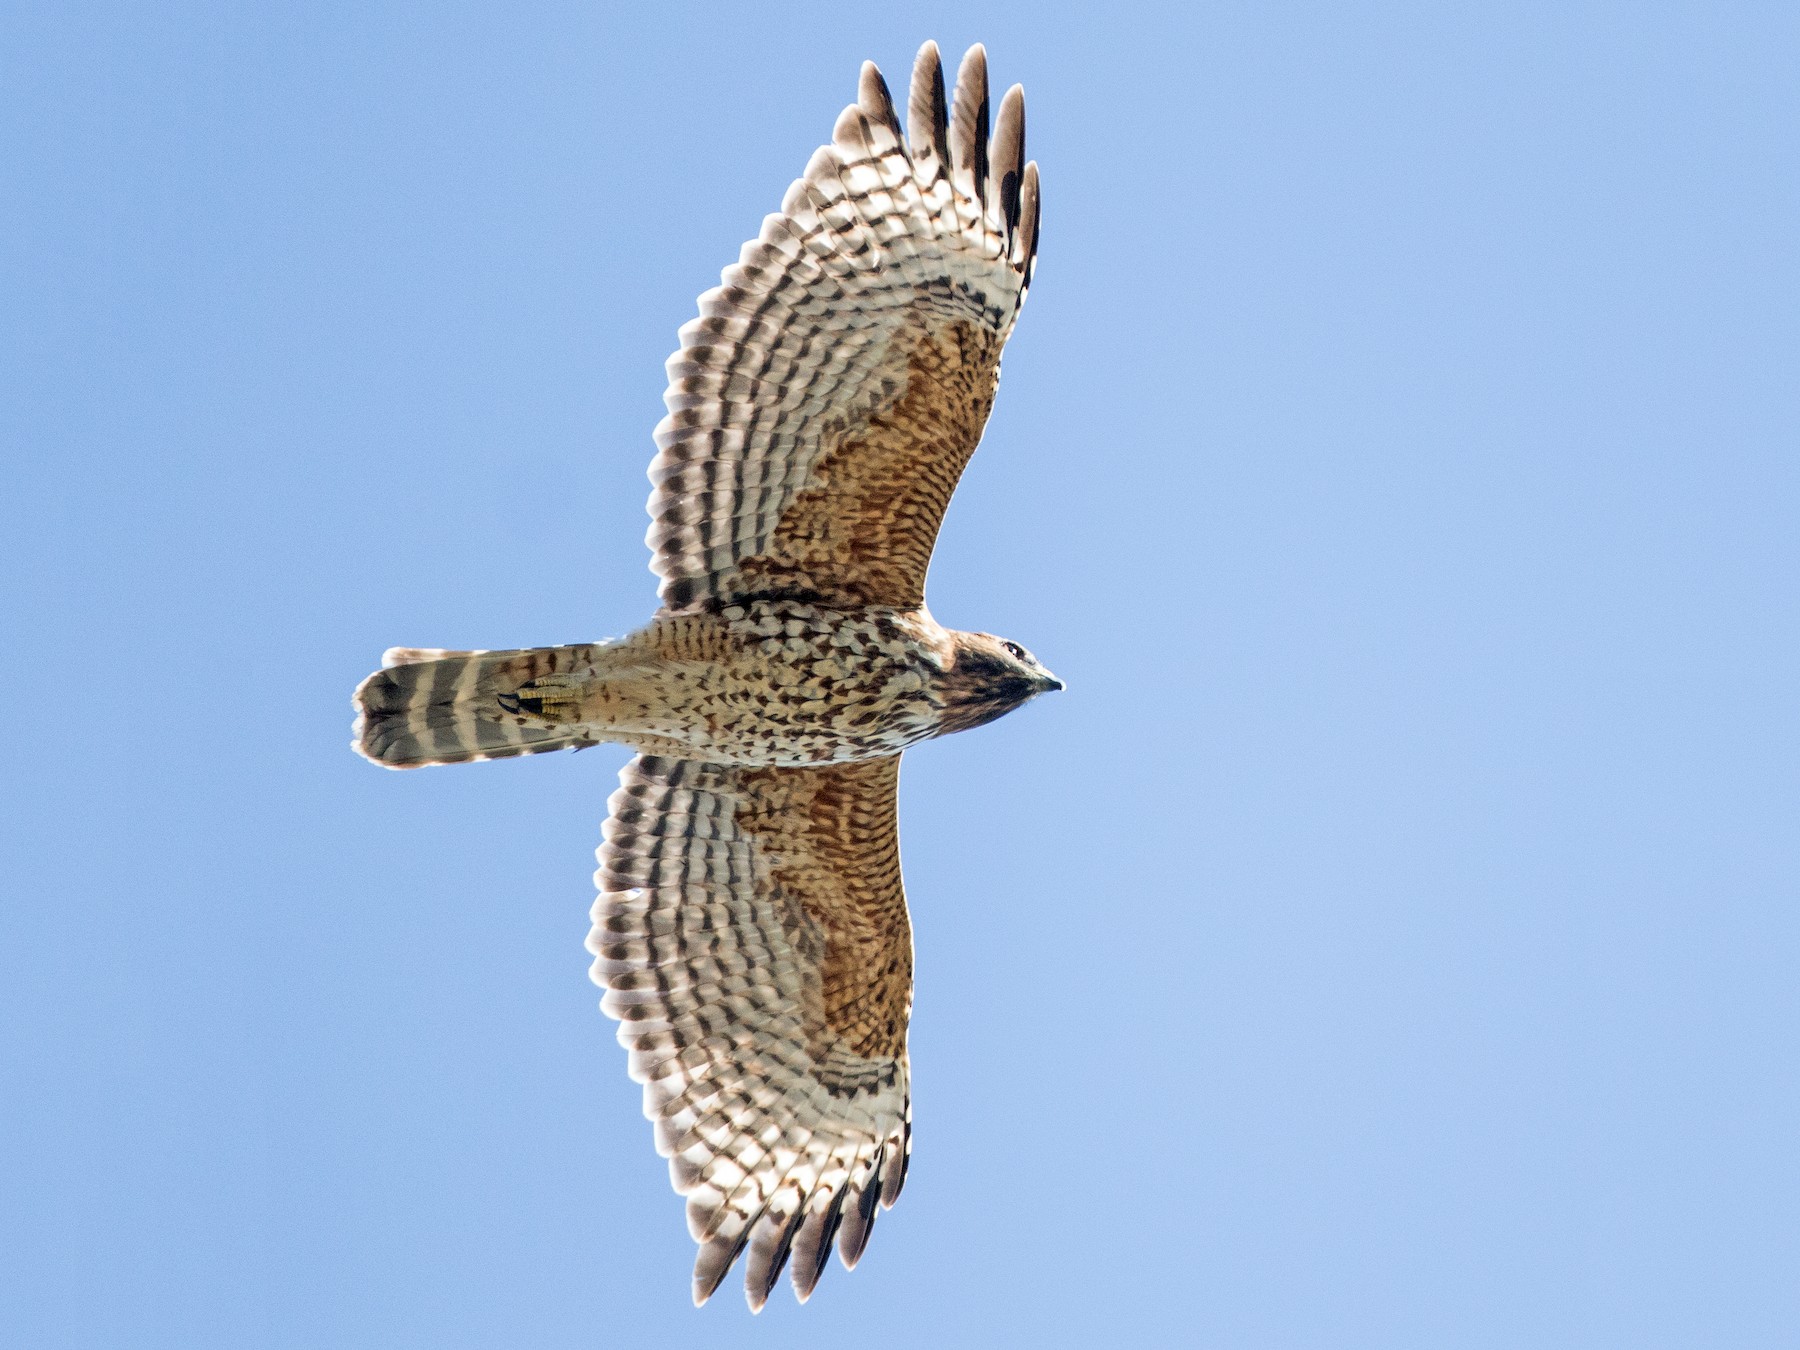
(823, 405)
(751, 934)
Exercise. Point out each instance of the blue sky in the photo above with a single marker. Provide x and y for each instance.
(1388, 940)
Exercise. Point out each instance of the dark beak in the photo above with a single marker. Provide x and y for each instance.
(1048, 683)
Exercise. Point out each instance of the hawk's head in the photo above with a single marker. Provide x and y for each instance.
(987, 677)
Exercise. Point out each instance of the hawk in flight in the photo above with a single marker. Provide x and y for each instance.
(751, 932)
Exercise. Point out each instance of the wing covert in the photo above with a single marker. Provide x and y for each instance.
(825, 402)
(752, 936)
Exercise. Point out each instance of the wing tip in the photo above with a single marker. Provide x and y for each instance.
(928, 108)
(969, 120)
(714, 1261)
(1030, 210)
(1009, 158)
(770, 1248)
(812, 1245)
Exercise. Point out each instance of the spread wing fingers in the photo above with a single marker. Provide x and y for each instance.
(823, 405)
(752, 936)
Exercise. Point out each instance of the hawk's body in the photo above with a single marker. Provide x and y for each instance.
(751, 929)
(766, 682)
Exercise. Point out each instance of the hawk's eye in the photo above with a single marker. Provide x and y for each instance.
(1014, 650)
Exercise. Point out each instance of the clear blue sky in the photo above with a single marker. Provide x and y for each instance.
(1390, 938)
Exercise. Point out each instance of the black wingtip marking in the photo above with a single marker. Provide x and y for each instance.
(1009, 155)
(927, 108)
(778, 1261)
(805, 1281)
(877, 103)
(969, 119)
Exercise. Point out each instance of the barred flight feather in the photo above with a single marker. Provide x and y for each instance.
(737, 907)
(849, 356)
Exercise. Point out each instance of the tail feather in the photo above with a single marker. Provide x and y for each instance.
(426, 706)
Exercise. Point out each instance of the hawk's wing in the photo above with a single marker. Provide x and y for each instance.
(823, 405)
(752, 936)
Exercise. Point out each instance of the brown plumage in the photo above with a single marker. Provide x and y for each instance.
(751, 929)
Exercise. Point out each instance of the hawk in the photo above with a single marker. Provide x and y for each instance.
(751, 932)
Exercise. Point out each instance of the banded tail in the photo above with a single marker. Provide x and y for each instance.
(437, 707)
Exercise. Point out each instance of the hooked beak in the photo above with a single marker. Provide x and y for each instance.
(1048, 683)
